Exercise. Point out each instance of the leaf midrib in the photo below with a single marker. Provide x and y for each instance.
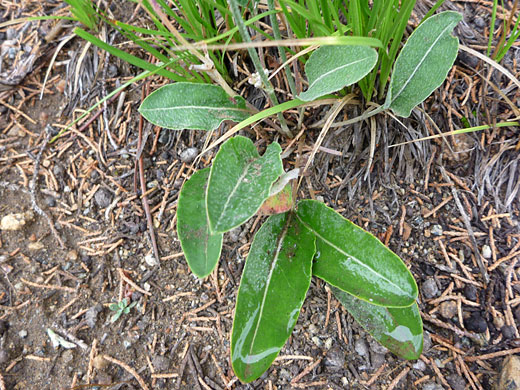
(235, 188)
(209, 108)
(353, 258)
(334, 70)
(269, 277)
(441, 35)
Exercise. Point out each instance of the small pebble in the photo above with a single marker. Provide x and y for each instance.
(10, 33)
(476, 323)
(317, 341)
(127, 344)
(335, 357)
(377, 348)
(419, 365)
(313, 329)
(437, 230)
(432, 386)
(67, 356)
(100, 363)
(486, 251)
(479, 22)
(430, 289)
(91, 315)
(161, 363)
(377, 360)
(103, 198)
(361, 347)
(470, 291)
(448, 309)
(508, 332)
(50, 201)
(72, 255)
(188, 155)
(456, 382)
(23, 334)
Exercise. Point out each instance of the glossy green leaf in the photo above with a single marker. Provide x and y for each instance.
(398, 329)
(423, 63)
(200, 247)
(192, 106)
(354, 260)
(275, 280)
(331, 68)
(239, 182)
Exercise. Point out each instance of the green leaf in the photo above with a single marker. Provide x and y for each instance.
(354, 260)
(192, 106)
(239, 182)
(200, 247)
(276, 277)
(331, 68)
(398, 329)
(423, 63)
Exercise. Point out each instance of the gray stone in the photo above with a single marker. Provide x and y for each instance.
(103, 198)
(437, 230)
(161, 363)
(67, 356)
(377, 348)
(91, 315)
(486, 252)
(456, 382)
(335, 357)
(432, 386)
(419, 365)
(479, 22)
(429, 288)
(377, 360)
(188, 155)
(361, 347)
(427, 341)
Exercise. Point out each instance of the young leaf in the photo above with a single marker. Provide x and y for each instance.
(423, 63)
(239, 182)
(331, 68)
(355, 261)
(398, 329)
(276, 277)
(200, 247)
(192, 106)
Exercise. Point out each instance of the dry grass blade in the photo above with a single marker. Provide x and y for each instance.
(334, 112)
(491, 62)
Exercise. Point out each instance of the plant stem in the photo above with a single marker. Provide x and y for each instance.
(237, 16)
(281, 49)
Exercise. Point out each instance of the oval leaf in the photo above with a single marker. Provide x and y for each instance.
(239, 182)
(331, 68)
(192, 106)
(276, 277)
(398, 329)
(423, 63)
(200, 247)
(354, 260)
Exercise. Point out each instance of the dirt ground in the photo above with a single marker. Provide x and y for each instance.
(448, 207)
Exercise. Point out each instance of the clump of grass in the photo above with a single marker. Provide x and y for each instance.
(84, 12)
(508, 36)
